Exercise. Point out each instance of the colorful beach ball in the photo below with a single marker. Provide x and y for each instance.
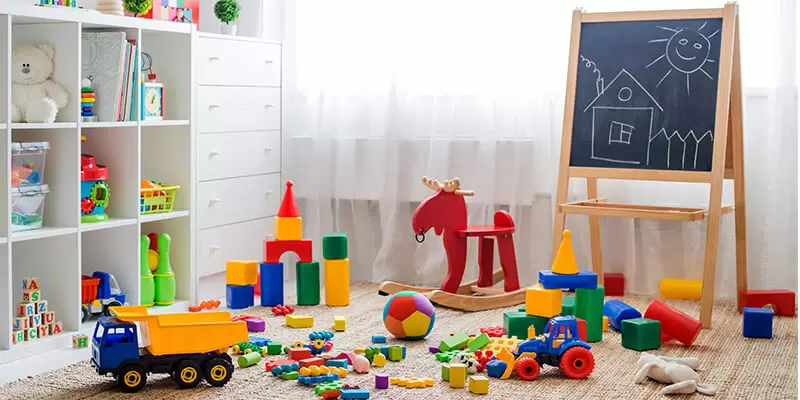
(409, 315)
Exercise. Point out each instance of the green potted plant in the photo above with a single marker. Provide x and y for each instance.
(138, 7)
(227, 11)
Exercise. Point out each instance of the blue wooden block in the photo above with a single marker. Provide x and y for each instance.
(379, 339)
(342, 363)
(271, 284)
(757, 322)
(617, 311)
(354, 394)
(581, 280)
(239, 297)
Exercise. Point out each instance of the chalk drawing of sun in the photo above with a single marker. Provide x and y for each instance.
(686, 52)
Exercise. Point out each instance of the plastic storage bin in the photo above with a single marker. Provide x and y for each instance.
(155, 198)
(27, 210)
(27, 163)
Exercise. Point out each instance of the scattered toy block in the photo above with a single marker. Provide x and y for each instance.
(49, 317)
(274, 348)
(542, 302)
(241, 273)
(258, 341)
(288, 228)
(433, 349)
(589, 307)
(503, 342)
(31, 296)
(26, 310)
(277, 363)
(516, 323)
(614, 283)
(20, 323)
(458, 375)
(494, 331)
(360, 350)
(617, 311)
(339, 323)
(568, 306)
(396, 353)
(299, 321)
(271, 283)
(334, 246)
(583, 279)
(298, 354)
(31, 333)
(605, 323)
(307, 283)
(337, 282)
(30, 284)
(674, 323)
(757, 322)
(496, 368)
(479, 342)
(478, 384)
(249, 359)
(255, 325)
(348, 394)
(681, 289)
(336, 363)
(307, 362)
(19, 337)
(581, 328)
(274, 249)
(55, 328)
(565, 262)
(43, 330)
(381, 381)
(80, 340)
(378, 339)
(379, 360)
(781, 301)
(446, 356)
(238, 297)
(446, 372)
(454, 342)
(329, 387)
(290, 376)
(641, 334)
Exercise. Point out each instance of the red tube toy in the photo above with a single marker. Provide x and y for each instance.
(674, 324)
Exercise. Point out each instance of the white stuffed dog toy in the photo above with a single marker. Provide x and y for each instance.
(35, 97)
(678, 372)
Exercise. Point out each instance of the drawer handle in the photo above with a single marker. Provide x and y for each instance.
(269, 105)
(213, 154)
(214, 201)
(267, 149)
(213, 106)
(213, 249)
(212, 58)
(268, 193)
(267, 61)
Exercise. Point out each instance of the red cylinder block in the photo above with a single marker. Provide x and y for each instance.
(674, 324)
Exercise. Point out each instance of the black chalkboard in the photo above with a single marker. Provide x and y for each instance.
(646, 94)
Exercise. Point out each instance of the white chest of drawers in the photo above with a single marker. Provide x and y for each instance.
(238, 152)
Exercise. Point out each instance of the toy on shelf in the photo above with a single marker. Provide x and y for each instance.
(446, 213)
(33, 319)
(200, 353)
(27, 207)
(95, 193)
(337, 269)
(36, 97)
(110, 7)
(409, 315)
(147, 295)
(88, 98)
(27, 162)
(186, 11)
(679, 373)
(152, 92)
(156, 198)
(164, 285)
(99, 292)
(60, 3)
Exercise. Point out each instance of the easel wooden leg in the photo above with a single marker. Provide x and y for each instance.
(737, 137)
(594, 233)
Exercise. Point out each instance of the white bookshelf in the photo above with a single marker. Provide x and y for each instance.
(64, 249)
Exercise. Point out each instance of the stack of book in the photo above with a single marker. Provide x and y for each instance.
(111, 61)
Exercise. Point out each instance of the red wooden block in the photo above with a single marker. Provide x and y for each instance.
(274, 249)
(298, 354)
(277, 363)
(581, 329)
(614, 284)
(782, 301)
(674, 324)
(311, 361)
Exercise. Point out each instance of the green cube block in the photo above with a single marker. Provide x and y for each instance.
(446, 372)
(568, 306)
(479, 342)
(516, 323)
(290, 376)
(307, 283)
(589, 307)
(334, 246)
(274, 348)
(641, 334)
(395, 353)
(454, 342)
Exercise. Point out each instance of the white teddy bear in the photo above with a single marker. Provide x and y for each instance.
(35, 97)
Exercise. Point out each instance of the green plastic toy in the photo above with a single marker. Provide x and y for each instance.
(148, 285)
(164, 277)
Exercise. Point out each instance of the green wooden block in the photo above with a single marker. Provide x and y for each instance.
(589, 307)
(395, 353)
(307, 283)
(641, 334)
(274, 348)
(334, 246)
(479, 342)
(446, 372)
(454, 342)
(516, 323)
(289, 376)
(568, 306)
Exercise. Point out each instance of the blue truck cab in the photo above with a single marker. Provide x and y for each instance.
(559, 346)
(113, 343)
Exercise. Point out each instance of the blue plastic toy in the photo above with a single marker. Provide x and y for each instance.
(271, 284)
(320, 335)
(583, 279)
(347, 394)
(757, 322)
(379, 339)
(308, 380)
(559, 341)
(108, 294)
(95, 193)
(259, 341)
(617, 311)
(341, 363)
(496, 368)
(239, 297)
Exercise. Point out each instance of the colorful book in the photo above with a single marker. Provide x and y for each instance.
(103, 60)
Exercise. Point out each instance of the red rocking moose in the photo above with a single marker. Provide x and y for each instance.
(446, 213)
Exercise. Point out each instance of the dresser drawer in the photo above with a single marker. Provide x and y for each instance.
(231, 109)
(244, 241)
(237, 200)
(229, 155)
(236, 62)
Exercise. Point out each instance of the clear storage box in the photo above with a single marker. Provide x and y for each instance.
(27, 163)
(27, 210)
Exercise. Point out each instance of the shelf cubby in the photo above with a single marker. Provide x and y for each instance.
(172, 64)
(180, 252)
(117, 149)
(111, 250)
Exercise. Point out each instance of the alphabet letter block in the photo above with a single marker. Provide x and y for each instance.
(79, 341)
(36, 320)
(42, 330)
(41, 307)
(30, 296)
(55, 328)
(30, 284)
(26, 310)
(30, 333)
(49, 317)
(18, 337)
(20, 324)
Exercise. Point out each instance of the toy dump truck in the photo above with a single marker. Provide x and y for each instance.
(190, 346)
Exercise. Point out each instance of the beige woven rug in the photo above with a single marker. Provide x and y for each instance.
(742, 368)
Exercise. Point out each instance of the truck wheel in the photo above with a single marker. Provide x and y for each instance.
(527, 368)
(112, 303)
(187, 374)
(218, 371)
(131, 378)
(84, 313)
(577, 362)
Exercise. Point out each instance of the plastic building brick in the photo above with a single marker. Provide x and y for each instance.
(281, 310)
(781, 301)
(381, 381)
(581, 329)
(516, 323)
(239, 297)
(274, 348)
(568, 306)
(605, 323)
(454, 342)
(284, 368)
(307, 362)
(337, 282)
(276, 363)
(458, 375)
(379, 360)
(309, 380)
(320, 335)
(290, 376)
(241, 273)
(504, 342)
(334, 246)
(259, 341)
(271, 283)
(446, 356)
(757, 322)
(347, 394)
(307, 283)
(288, 228)
(641, 334)
(378, 339)
(433, 349)
(614, 284)
(249, 359)
(395, 353)
(617, 311)
(479, 384)
(336, 363)
(299, 321)
(339, 323)
(479, 342)
(446, 372)
(583, 279)
(298, 354)
(674, 324)
(328, 386)
(255, 325)
(494, 331)
(542, 302)
(589, 307)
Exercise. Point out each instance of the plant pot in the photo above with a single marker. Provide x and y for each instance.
(229, 29)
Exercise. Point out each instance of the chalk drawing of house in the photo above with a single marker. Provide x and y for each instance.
(622, 121)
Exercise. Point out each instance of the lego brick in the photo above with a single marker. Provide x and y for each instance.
(21, 323)
(55, 328)
(277, 363)
(641, 334)
(30, 284)
(288, 228)
(49, 317)
(378, 339)
(504, 342)
(617, 311)
(589, 307)
(781, 301)
(271, 283)
(258, 341)
(18, 337)
(339, 323)
(581, 328)
(347, 394)
(757, 322)
(681, 289)
(255, 325)
(307, 283)
(337, 282)
(241, 273)
(336, 363)
(446, 372)
(334, 246)
(274, 249)
(516, 323)
(605, 323)
(454, 342)
(568, 306)
(458, 375)
(41, 307)
(494, 331)
(542, 302)
(614, 284)
(478, 384)
(479, 342)
(298, 354)
(583, 279)
(299, 321)
(387, 349)
(26, 310)
(289, 376)
(31, 296)
(239, 297)
(381, 381)
(274, 348)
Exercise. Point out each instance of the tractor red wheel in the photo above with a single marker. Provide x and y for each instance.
(577, 362)
(527, 368)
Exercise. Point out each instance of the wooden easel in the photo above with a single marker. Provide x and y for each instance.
(727, 162)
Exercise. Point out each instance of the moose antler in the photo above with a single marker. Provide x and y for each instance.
(450, 186)
(431, 183)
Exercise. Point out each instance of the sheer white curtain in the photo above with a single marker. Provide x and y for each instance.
(379, 92)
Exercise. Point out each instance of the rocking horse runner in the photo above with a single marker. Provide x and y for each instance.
(446, 213)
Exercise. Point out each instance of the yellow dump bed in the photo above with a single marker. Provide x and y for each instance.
(184, 333)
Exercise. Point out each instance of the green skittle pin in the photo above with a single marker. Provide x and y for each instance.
(148, 286)
(164, 277)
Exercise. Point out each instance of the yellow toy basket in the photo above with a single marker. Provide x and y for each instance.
(157, 200)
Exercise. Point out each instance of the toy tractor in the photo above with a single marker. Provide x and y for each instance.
(559, 346)
(99, 292)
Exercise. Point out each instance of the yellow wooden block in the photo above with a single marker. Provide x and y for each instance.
(394, 380)
(681, 289)
(478, 384)
(565, 262)
(299, 321)
(379, 360)
(416, 383)
(339, 323)
(288, 228)
(241, 273)
(402, 382)
(458, 375)
(337, 282)
(360, 350)
(605, 323)
(542, 302)
(428, 382)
